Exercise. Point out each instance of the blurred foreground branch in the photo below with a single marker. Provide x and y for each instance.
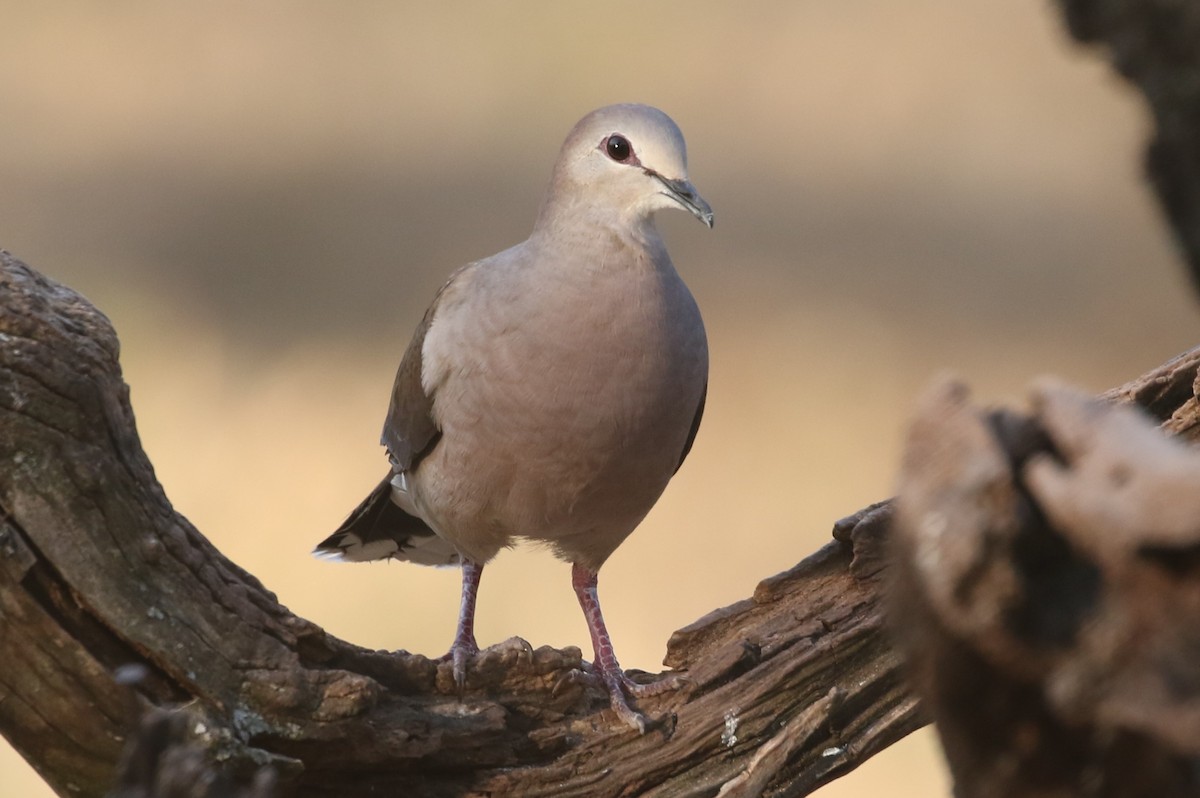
(1048, 574)
(103, 586)
(1047, 564)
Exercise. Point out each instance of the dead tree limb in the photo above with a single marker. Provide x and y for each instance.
(100, 578)
(1046, 563)
(1047, 569)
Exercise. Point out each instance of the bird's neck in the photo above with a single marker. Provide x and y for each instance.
(572, 223)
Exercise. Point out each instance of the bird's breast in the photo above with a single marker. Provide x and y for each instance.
(561, 395)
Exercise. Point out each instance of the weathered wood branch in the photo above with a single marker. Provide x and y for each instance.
(1046, 563)
(1047, 569)
(100, 579)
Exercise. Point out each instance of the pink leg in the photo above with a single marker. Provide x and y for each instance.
(605, 664)
(464, 646)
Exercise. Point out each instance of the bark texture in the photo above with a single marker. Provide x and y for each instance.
(113, 607)
(1047, 566)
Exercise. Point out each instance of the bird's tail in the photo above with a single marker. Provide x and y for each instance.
(379, 529)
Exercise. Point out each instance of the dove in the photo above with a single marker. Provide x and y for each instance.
(552, 390)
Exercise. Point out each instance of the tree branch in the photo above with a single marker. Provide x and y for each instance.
(101, 579)
(1047, 569)
(1047, 564)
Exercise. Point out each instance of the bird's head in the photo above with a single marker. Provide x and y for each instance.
(630, 160)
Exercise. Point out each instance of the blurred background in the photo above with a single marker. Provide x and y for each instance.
(264, 197)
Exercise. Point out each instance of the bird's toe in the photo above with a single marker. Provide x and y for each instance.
(459, 656)
(666, 684)
(621, 688)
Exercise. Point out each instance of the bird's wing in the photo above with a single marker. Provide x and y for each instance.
(380, 527)
(691, 438)
(410, 431)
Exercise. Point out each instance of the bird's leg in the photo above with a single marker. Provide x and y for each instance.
(464, 646)
(605, 663)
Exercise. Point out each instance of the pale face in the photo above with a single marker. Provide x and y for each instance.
(631, 158)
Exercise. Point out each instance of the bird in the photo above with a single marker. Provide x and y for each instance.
(552, 390)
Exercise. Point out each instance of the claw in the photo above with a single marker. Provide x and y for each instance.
(620, 705)
(460, 655)
(575, 677)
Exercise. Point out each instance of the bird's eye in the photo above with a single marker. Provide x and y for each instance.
(618, 147)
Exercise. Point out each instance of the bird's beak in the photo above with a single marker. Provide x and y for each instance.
(686, 195)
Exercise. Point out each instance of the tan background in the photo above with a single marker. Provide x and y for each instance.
(264, 196)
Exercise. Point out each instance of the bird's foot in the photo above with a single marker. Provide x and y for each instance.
(666, 684)
(617, 683)
(464, 647)
(605, 667)
(620, 688)
(459, 656)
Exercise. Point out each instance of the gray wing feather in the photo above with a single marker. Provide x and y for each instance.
(687, 446)
(409, 431)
